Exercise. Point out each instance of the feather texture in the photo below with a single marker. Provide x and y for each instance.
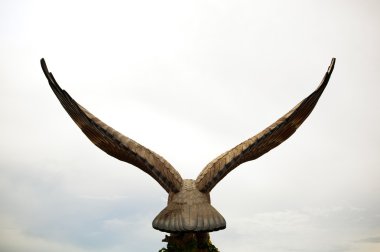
(189, 211)
(189, 208)
(263, 142)
(115, 143)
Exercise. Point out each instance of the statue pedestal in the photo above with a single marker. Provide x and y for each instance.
(189, 242)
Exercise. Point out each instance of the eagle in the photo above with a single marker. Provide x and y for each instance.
(189, 206)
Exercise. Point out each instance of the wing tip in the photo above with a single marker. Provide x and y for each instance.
(331, 67)
(44, 67)
(49, 76)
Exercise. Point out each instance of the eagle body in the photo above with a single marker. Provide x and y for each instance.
(189, 210)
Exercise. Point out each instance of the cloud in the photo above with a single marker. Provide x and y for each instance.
(38, 212)
(371, 240)
(370, 244)
(15, 240)
(189, 79)
(285, 221)
(300, 230)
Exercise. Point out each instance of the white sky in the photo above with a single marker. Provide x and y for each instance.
(189, 80)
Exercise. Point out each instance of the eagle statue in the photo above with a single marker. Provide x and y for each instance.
(189, 207)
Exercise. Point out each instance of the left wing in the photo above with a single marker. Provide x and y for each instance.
(263, 142)
(115, 143)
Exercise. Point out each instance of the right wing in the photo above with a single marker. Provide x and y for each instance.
(114, 143)
(263, 142)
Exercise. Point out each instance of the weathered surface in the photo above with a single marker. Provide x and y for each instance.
(114, 143)
(189, 210)
(264, 141)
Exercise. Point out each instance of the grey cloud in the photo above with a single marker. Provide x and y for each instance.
(190, 79)
(371, 240)
(40, 211)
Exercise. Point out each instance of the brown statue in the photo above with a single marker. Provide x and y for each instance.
(189, 207)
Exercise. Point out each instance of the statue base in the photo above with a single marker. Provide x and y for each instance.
(189, 242)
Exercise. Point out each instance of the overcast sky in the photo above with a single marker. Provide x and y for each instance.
(190, 80)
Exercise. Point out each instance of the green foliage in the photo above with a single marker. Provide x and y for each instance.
(189, 242)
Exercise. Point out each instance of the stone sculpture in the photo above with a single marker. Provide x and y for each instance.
(189, 207)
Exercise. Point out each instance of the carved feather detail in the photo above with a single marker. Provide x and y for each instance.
(189, 211)
(263, 142)
(115, 143)
(189, 208)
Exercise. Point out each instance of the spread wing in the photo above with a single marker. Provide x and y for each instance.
(114, 143)
(263, 142)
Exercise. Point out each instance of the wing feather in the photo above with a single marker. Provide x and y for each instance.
(263, 142)
(115, 143)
